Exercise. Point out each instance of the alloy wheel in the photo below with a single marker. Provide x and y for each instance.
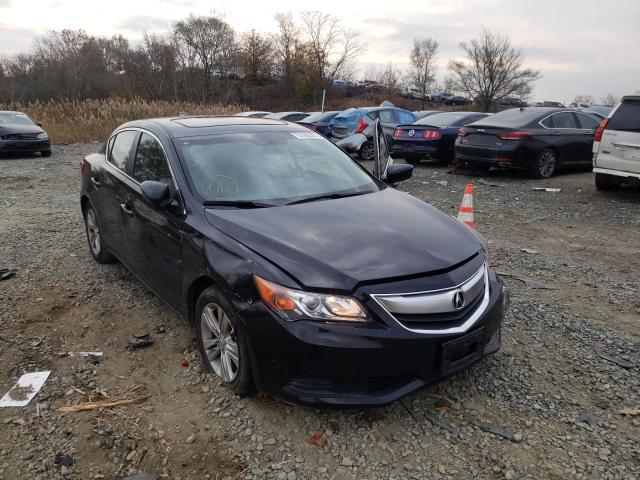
(93, 232)
(547, 164)
(219, 341)
(366, 151)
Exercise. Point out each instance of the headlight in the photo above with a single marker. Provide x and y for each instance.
(295, 305)
(42, 136)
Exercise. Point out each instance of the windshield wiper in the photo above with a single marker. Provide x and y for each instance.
(237, 204)
(326, 196)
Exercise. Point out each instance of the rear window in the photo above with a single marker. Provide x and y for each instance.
(441, 119)
(348, 115)
(319, 117)
(626, 118)
(514, 117)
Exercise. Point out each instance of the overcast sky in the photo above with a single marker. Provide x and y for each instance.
(580, 46)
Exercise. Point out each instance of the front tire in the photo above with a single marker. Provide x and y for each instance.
(545, 165)
(607, 182)
(97, 246)
(222, 343)
(366, 151)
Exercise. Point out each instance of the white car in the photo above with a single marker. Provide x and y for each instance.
(616, 146)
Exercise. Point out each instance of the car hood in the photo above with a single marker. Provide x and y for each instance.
(6, 129)
(339, 244)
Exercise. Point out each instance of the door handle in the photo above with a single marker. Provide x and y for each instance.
(126, 209)
(95, 182)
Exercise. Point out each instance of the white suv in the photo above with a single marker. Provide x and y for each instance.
(616, 146)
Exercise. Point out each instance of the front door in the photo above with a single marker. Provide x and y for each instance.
(382, 158)
(153, 235)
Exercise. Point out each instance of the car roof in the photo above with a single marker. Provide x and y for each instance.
(520, 116)
(251, 112)
(278, 115)
(177, 127)
(12, 111)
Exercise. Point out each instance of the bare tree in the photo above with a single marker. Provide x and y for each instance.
(331, 47)
(391, 78)
(286, 44)
(205, 43)
(256, 56)
(584, 99)
(491, 70)
(610, 100)
(423, 58)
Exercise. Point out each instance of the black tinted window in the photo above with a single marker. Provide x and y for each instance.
(563, 120)
(151, 163)
(295, 117)
(121, 149)
(586, 122)
(626, 117)
(547, 122)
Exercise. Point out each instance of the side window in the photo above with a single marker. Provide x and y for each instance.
(386, 116)
(586, 122)
(563, 120)
(548, 122)
(121, 149)
(151, 163)
(405, 117)
(372, 115)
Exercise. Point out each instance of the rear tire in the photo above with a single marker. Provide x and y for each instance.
(366, 151)
(545, 165)
(97, 247)
(607, 182)
(222, 342)
(45, 153)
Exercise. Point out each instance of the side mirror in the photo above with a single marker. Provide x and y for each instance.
(398, 173)
(158, 193)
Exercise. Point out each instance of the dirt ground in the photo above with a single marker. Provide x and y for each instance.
(562, 397)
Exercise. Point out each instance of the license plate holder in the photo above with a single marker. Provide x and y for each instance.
(462, 352)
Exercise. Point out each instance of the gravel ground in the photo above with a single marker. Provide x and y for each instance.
(548, 405)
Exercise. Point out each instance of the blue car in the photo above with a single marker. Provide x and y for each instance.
(431, 137)
(319, 122)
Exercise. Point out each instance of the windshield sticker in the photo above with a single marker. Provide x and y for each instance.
(306, 135)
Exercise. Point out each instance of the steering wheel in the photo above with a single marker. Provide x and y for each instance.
(221, 185)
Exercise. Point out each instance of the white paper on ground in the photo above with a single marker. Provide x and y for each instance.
(27, 387)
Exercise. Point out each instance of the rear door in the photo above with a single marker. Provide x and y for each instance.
(152, 235)
(109, 185)
(565, 136)
(620, 144)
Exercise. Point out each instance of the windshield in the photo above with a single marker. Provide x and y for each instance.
(14, 118)
(270, 167)
(440, 119)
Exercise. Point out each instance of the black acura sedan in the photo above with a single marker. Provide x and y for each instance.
(20, 134)
(540, 140)
(302, 274)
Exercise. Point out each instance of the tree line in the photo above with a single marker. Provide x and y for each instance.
(203, 59)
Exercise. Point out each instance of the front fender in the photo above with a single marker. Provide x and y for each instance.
(353, 142)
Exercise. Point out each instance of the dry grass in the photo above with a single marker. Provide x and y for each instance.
(73, 121)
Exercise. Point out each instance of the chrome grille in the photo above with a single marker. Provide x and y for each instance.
(440, 311)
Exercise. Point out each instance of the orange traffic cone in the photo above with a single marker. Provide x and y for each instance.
(465, 214)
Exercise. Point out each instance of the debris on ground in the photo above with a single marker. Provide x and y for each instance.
(139, 341)
(6, 273)
(63, 460)
(496, 430)
(184, 362)
(621, 362)
(27, 387)
(319, 438)
(529, 250)
(102, 404)
(546, 189)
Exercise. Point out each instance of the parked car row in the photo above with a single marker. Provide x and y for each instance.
(539, 140)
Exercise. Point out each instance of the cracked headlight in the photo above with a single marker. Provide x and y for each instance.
(295, 305)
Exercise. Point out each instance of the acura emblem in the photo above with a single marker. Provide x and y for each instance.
(411, 133)
(458, 301)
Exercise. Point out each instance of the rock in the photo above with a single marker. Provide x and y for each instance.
(347, 462)
(190, 439)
